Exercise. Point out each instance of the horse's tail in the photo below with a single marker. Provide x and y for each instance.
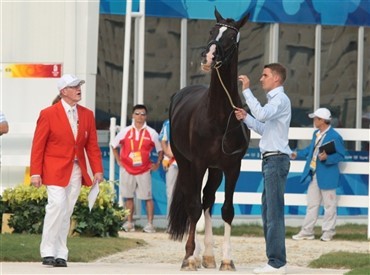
(178, 222)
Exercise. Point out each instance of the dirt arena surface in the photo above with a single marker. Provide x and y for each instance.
(164, 256)
(245, 250)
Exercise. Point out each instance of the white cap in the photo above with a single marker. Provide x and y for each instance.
(321, 113)
(69, 80)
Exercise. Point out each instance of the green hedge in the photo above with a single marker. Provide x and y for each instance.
(27, 204)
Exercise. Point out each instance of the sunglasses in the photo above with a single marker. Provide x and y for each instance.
(140, 113)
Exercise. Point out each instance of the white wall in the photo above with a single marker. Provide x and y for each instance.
(42, 32)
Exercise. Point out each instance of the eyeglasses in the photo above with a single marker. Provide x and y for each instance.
(140, 113)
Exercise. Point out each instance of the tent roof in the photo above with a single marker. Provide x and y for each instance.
(330, 12)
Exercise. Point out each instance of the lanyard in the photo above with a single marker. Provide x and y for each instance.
(317, 142)
(141, 139)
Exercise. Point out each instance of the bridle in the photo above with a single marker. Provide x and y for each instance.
(225, 58)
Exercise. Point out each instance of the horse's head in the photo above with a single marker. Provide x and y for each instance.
(223, 41)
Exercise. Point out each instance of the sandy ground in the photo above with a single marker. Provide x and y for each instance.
(245, 250)
(164, 256)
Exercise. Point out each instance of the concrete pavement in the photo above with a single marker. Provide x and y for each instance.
(143, 268)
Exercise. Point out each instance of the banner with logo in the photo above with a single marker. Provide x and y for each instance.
(324, 12)
(31, 70)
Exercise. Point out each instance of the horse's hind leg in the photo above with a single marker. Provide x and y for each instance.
(190, 263)
(193, 206)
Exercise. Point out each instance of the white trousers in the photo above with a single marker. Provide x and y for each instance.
(315, 196)
(171, 176)
(61, 202)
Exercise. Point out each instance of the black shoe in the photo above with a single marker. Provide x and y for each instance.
(48, 261)
(59, 262)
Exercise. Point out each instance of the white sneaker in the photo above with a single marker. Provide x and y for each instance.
(149, 228)
(268, 269)
(301, 236)
(326, 238)
(128, 226)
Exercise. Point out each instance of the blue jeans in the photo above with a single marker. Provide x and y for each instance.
(275, 170)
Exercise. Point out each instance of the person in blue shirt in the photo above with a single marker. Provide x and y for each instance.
(321, 174)
(271, 121)
(169, 163)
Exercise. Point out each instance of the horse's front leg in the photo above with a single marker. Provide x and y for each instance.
(190, 263)
(227, 263)
(231, 177)
(208, 255)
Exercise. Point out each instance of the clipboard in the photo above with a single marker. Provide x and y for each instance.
(93, 194)
(328, 147)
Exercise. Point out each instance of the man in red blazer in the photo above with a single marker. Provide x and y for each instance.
(65, 131)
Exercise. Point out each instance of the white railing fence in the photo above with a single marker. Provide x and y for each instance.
(252, 165)
(15, 152)
(300, 134)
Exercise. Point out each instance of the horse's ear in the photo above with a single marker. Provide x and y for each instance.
(243, 20)
(218, 15)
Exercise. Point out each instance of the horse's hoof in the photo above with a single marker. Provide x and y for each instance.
(227, 265)
(189, 264)
(209, 262)
(198, 261)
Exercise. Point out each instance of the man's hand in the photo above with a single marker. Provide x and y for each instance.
(245, 81)
(155, 166)
(240, 114)
(36, 181)
(293, 155)
(98, 177)
(322, 156)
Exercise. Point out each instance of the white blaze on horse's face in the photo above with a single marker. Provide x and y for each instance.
(210, 55)
(221, 32)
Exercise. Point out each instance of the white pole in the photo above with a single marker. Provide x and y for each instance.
(141, 53)
(136, 59)
(126, 60)
(360, 79)
(316, 88)
(274, 43)
(183, 52)
(112, 134)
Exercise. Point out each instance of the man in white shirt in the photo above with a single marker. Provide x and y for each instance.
(272, 122)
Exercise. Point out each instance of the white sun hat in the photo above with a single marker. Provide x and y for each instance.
(321, 113)
(69, 80)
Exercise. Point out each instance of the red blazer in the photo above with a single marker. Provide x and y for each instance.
(54, 147)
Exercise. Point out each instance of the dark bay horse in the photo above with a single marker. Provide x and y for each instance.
(206, 135)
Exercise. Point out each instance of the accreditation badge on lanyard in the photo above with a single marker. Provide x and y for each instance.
(313, 163)
(318, 142)
(136, 155)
